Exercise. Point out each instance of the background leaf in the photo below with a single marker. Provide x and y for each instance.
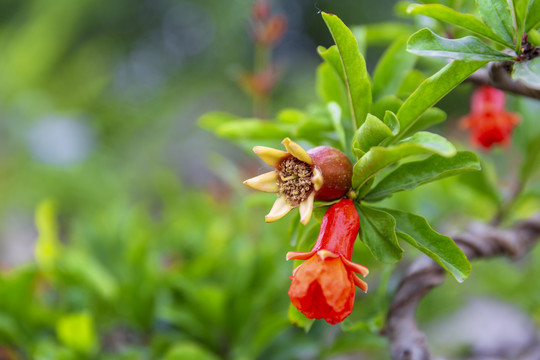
(354, 68)
(432, 90)
(377, 232)
(415, 230)
(392, 68)
(410, 175)
(431, 117)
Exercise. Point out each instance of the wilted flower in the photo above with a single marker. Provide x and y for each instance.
(488, 121)
(301, 177)
(323, 287)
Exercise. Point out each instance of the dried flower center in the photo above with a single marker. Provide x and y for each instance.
(295, 180)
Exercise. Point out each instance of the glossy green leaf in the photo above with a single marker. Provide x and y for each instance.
(416, 231)
(431, 117)
(432, 90)
(391, 120)
(410, 175)
(498, 16)
(392, 68)
(332, 57)
(520, 13)
(426, 43)
(528, 72)
(371, 133)
(533, 15)
(354, 68)
(377, 231)
(378, 157)
(466, 21)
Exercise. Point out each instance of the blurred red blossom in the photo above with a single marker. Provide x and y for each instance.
(488, 121)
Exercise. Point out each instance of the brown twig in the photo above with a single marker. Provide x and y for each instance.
(407, 342)
(497, 74)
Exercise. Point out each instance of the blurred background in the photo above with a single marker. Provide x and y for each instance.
(125, 231)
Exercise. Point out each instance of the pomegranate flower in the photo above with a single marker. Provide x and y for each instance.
(323, 287)
(301, 177)
(488, 121)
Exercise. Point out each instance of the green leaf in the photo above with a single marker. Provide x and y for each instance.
(466, 21)
(498, 16)
(469, 48)
(330, 87)
(409, 84)
(253, 129)
(391, 120)
(48, 247)
(377, 232)
(189, 350)
(410, 175)
(212, 120)
(392, 68)
(378, 157)
(299, 319)
(354, 68)
(520, 13)
(371, 133)
(335, 114)
(531, 162)
(431, 117)
(416, 231)
(533, 15)
(331, 56)
(528, 72)
(384, 104)
(77, 331)
(432, 90)
(386, 32)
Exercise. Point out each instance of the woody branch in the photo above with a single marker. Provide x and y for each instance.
(407, 342)
(497, 75)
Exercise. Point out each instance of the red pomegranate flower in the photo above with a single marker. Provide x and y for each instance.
(488, 121)
(323, 287)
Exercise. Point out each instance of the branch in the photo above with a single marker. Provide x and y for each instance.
(498, 76)
(407, 342)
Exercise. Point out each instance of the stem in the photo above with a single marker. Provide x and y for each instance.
(261, 61)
